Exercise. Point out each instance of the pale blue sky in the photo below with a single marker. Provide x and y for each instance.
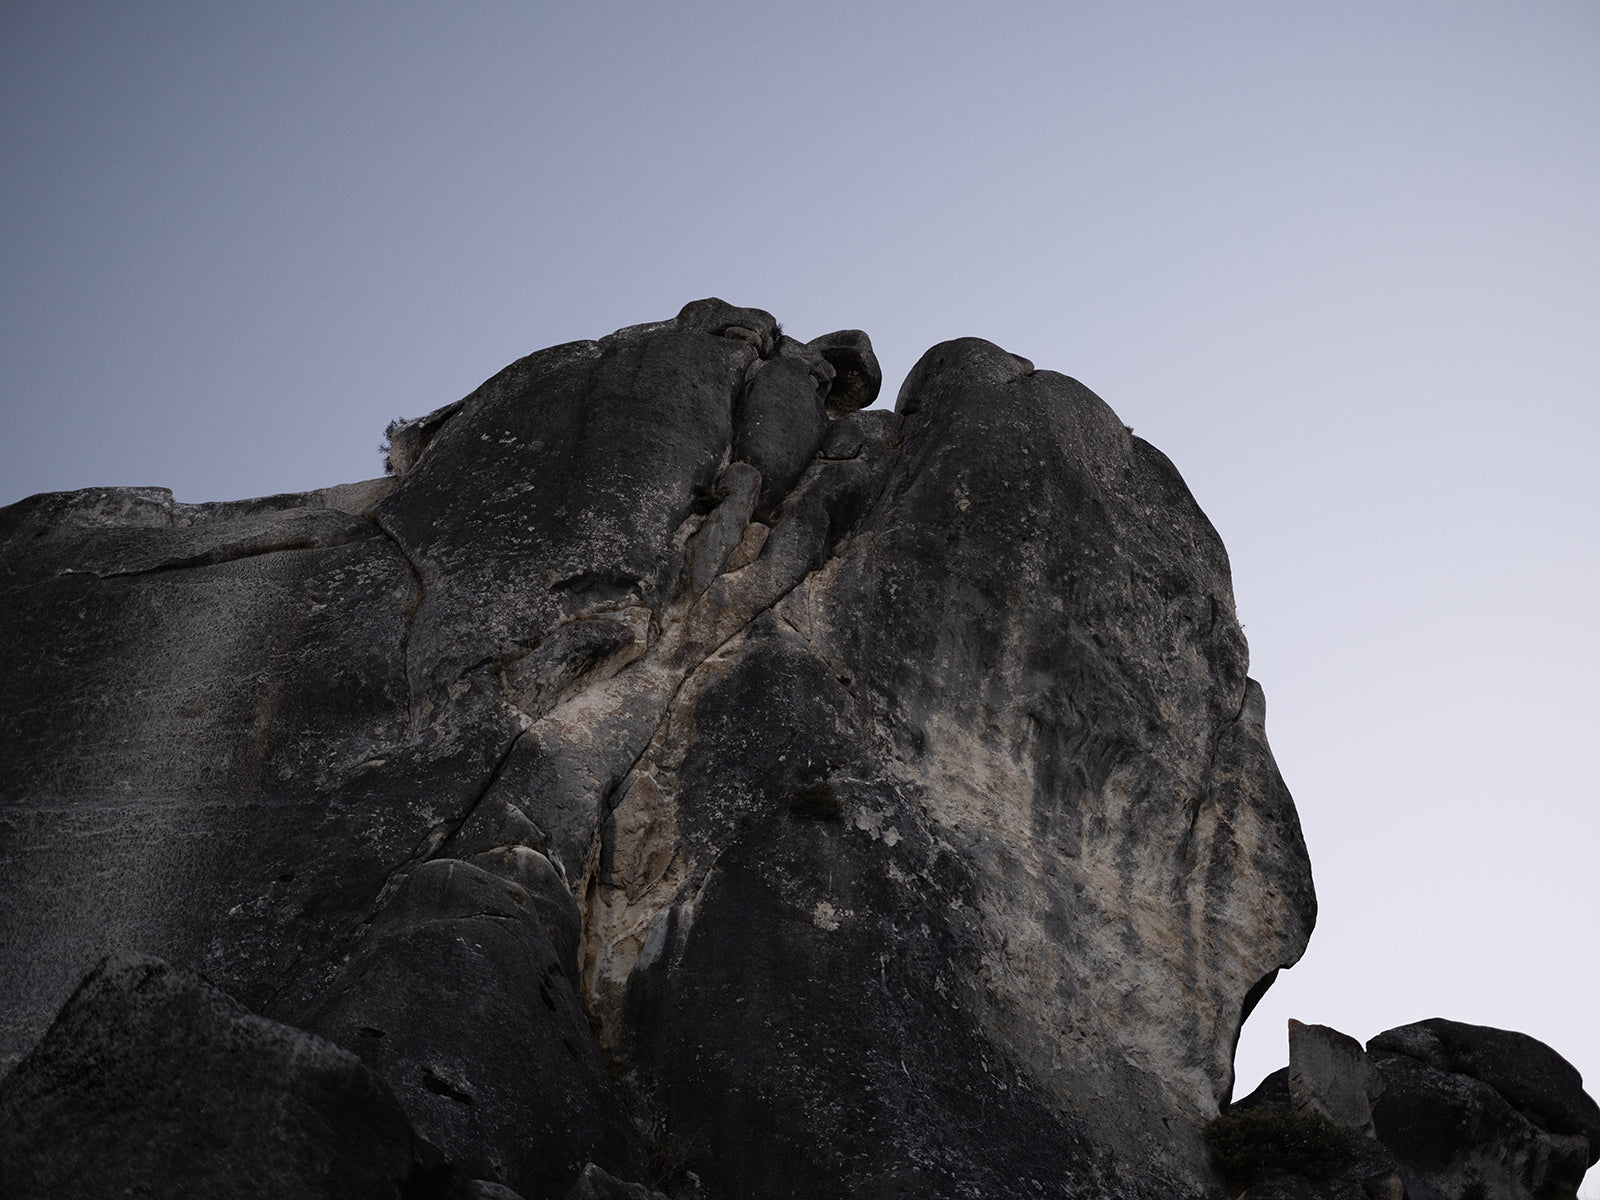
(1340, 262)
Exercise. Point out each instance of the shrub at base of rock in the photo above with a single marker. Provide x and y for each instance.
(1248, 1144)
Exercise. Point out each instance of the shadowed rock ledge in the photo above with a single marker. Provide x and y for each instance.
(676, 775)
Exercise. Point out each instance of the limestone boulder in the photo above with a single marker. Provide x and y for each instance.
(1329, 1074)
(1000, 747)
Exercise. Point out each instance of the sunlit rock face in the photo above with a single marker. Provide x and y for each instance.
(864, 803)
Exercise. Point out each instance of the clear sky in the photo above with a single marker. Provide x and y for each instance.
(1341, 262)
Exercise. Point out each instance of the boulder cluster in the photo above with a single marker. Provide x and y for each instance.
(1438, 1110)
(677, 777)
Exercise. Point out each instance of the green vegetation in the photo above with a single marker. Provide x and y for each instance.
(388, 439)
(1249, 1141)
(669, 1164)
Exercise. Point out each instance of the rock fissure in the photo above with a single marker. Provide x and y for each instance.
(213, 558)
(488, 787)
(411, 608)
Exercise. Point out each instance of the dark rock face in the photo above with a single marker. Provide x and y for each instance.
(1329, 1073)
(200, 702)
(860, 803)
(1532, 1077)
(1438, 1110)
(1468, 1108)
(511, 1087)
(153, 1083)
(1014, 645)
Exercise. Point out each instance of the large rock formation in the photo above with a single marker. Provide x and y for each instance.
(677, 769)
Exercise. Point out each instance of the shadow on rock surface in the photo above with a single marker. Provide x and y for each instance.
(151, 1082)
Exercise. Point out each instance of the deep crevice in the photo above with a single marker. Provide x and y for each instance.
(494, 778)
(443, 1087)
(213, 558)
(432, 842)
(608, 802)
(412, 607)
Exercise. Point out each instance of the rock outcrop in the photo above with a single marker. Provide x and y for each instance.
(1438, 1110)
(152, 1083)
(677, 774)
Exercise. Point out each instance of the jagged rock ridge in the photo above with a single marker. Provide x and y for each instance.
(679, 770)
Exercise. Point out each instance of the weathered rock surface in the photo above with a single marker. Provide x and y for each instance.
(1329, 1073)
(1050, 812)
(1438, 1110)
(1472, 1110)
(510, 1085)
(1532, 1077)
(153, 1083)
(863, 803)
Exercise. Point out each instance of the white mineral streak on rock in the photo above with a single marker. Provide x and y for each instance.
(626, 909)
(651, 871)
(825, 916)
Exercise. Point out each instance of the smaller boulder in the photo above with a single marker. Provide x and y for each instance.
(780, 425)
(857, 377)
(406, 440)
(718, 317)
(1454, 1135)
(1533, 1078)
(151, 1082)
(460, 997)
(1329, 1073)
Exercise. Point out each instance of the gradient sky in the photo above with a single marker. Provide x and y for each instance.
(1340, 262)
